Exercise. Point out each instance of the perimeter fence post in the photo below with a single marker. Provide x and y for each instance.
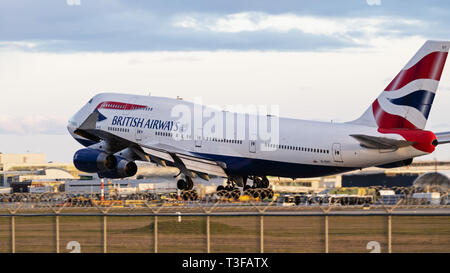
(155, 234)
(13, 234)
(104, 234)
(389, 233)
(261, 232)
(208, 235)
(326, 233)
(57, 232)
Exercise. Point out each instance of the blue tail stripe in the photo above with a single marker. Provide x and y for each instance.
(101, 117)
(421, 100)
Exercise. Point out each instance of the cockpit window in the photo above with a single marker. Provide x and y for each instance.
(90, 100)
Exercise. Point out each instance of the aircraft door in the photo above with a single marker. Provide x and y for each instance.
(139, 133)
(336, 151)
(198, 136)
(252, 146)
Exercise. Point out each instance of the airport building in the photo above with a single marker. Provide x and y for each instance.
(25, 171)
(395, 177)
(21, 159)
(307, 185)
(26, 167)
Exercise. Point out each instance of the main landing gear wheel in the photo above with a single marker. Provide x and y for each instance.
(259, 193)
(228, 192)
(260, 182)
(189, 195)
(260, 188)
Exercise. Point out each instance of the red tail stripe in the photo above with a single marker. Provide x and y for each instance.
(389, 121)
(429, 67)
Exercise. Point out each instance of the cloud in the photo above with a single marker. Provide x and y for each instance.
(24, 45)
(349, 28)
(36, 124)
(124, 26)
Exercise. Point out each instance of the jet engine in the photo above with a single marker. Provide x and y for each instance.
(124, 168)
(92, 160)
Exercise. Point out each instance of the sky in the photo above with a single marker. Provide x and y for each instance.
(319, 60)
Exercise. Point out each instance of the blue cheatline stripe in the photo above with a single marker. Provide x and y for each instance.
(253, 166)
(421, 100)
(101, 117)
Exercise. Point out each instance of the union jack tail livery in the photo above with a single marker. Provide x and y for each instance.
(406, 102)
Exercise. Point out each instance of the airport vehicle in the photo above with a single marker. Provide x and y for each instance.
(118, 129)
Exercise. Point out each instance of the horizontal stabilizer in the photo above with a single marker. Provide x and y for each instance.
(443, 137)
(372, 142)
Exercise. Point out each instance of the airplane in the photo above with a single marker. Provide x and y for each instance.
(119, 129)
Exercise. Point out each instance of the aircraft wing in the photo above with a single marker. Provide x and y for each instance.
(373, 142)
(185, 161)
(188, 163)
(442, 137)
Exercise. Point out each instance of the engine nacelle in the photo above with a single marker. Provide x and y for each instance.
(124, 169)
(92, 161)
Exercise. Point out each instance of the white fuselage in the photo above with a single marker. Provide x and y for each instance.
(301, 149)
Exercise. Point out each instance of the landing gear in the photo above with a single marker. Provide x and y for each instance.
(230, 191)
(260, 182)
(181, 184)
(190, 195)
(185, 185)
(261, 193)
(260, 188)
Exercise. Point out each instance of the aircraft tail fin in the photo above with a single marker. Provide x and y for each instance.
(406, 102)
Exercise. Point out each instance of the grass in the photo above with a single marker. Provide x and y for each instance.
(228, 234)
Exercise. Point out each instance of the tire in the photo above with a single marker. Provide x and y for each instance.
(181, 184)
(187, 196)
(236, 194)
(257, 183)
(189, 184)
(265, 183)
(255, 194)
(263, 194)
(194, 195)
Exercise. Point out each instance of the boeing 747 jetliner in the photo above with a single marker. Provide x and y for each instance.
(119, 129)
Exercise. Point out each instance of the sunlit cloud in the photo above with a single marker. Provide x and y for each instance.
(332, 26)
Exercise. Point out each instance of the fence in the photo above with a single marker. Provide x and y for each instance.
(223, 227)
